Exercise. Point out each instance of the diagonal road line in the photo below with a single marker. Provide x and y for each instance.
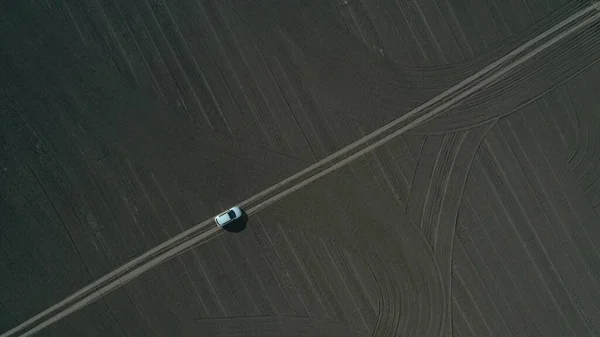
(422, 119)
(202, 232)
(98, 292)
(439, 98)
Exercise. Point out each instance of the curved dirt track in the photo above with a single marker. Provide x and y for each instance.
(408, 284)
(533, 222)
(582, 134)
(437, 189)
(408, 292)
(347, 81)
(561, 63)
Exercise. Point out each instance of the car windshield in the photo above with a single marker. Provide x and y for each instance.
(231, 214)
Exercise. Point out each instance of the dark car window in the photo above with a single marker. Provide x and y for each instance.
(231, 214)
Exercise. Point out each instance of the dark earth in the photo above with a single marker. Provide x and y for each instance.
(123, 123)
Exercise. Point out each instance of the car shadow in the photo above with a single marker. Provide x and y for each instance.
(237, 225)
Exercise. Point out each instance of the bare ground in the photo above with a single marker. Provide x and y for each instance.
(124, 124)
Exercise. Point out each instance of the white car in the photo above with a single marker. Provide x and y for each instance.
(225, 218)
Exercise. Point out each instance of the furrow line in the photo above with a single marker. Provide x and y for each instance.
(503, 276)
(198, 70)
(352, 307)
(280, 274)
(101, 291)
(398, 35)
(187, 270)
(461, 283)
(180, 68)
(326, 289)
(503, 193)
(477, 274)
(317, 303)
(552, 215)
(227, 62)
(253, 87)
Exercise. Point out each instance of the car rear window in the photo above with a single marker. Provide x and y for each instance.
(231, 214)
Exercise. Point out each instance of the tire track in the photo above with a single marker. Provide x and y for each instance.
(243, 51)
(418, 121)
(158, 42)
(178, 72)
(410, 77)
(459, 318)
(277, 269)
(313, 272)
(585, 161)
(559, 280)
(135, 47)
(563, 117)
(276, 298)
(357, 291)
(340, 291)
(187, 56)
(494, 246)
(209, 301)
(572, 274)
(466, 294)
(585, 229)
(116, 279)
(518, 89)
(499, 179)
(417, 76)
(564, 298)
(582, 101)
(276, 257)
(308, 290)
(396, 34)
(228, 55)
(509, 194)
(470, 84)
(436, 213)
(473, 256)
(410, 294)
